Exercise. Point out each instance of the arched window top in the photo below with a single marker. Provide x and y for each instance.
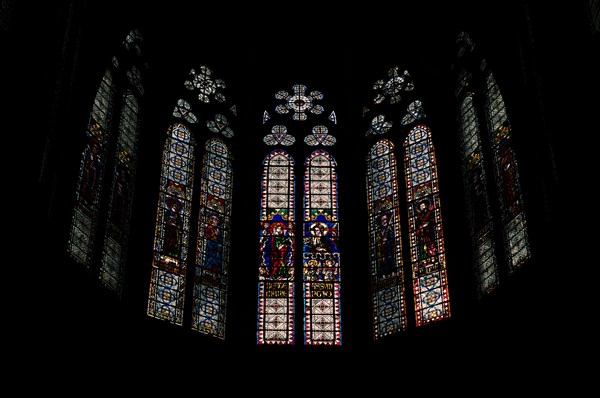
(181, 133)
(320, 158)
(465, 43)
(278, 157)
(418, 134)
(218, 147)
(133, 41)
(381, 147)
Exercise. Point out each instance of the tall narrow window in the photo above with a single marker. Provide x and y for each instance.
(212, 259)
(321, 257)
(319, 274)
(397, 112)
(91, 174)
(480, 217)
(430, 285)
(276, 309)
(516, 241)
(176, 260)
(387, 274)
(169, 264)
(121, 195)
(102, 213)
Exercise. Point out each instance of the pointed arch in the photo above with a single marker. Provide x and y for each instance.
(477, 198)
(213, 243)
(506, 172)
(276, 294)
(171, 239)
(321, 257)
(385, 243)
(84, 223)
(430, 284)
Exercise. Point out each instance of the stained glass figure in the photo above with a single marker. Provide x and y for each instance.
(506, 172)
(121, 197)
(276, 293)
(430, 284)
(214, 226)
(477, 197)
(82, 238)
(171, 239)
(321, 256)
(385, 245)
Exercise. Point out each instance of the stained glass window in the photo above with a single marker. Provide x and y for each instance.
(477, 197)
(169, 263)
(121, 196)
(385, 245)
(321, 257)
(506, 172)
(277, 245)
(430, 284)
(102, 212)
(91, 174)
(214, 225)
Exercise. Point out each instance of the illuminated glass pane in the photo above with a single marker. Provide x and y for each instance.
(171, 239)
(430, 284)
(477, 197)
(214, 225)
(276, 245)
(321, 257)
(121, 195)
(516, 241)
(91, 174)
(385, 250)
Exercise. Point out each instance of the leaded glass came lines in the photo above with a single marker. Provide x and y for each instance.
(276, 292)
(169, 264)
(321, 256)
(385, 246)
(212, 258)
(430, 285)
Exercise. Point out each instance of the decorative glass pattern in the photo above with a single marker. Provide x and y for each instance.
(430, 285)
(206, 86)
(121, 197)
(414, 111)
(220, 124)
(299, 102)
(183, 109)
(379, 126)
(276, 294)
(477, 197)
(91, 174)
(321, 257)
(169, 264)
(320, 135)
(385, 245)
(214, 225)
(392, 87)
(516, 240)
(279, 135)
